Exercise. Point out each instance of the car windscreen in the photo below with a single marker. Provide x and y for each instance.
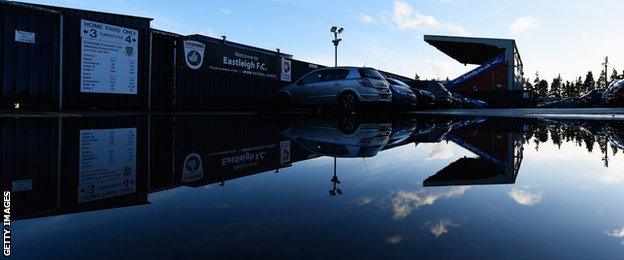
(370, 73)
(398, 82)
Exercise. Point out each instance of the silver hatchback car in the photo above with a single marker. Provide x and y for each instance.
(346, 87)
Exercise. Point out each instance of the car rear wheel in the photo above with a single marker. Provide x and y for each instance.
(347, 102)
(348, 124)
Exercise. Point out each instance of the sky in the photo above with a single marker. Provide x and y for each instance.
(567, 37)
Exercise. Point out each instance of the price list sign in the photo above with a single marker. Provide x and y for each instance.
(107, 166)
(109, 58)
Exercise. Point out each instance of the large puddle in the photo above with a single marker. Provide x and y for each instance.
(316, 186)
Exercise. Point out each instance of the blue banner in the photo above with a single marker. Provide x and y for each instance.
(476, 72)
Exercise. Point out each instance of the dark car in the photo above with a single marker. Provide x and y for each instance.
(425, 98)
(614, 95)
(402, 95)
(563, 103)
(592, 98)
(476, 103)
(459, 101)
(443, 97)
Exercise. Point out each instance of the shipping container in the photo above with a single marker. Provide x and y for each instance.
(103, 59)
(163, 70)
(88, 60)
(215, 74)
(29, 57)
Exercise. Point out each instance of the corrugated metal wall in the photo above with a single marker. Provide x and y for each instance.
(163, 74)
(34, 82)
(73, 99)
(207, 88)
(29, 72)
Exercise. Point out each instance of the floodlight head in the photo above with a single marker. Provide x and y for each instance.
(340, 30)
(333, 29)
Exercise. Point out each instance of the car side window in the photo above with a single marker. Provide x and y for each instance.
(312, 78)
(338, 74)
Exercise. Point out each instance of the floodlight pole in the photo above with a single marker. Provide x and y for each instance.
(336, 41)
(606, 65)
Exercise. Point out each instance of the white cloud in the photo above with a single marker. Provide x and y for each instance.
(208, 32)
(364, 18)
(525, 25)
(525, 197)
(441, 227)
(224, 11)
(404, 17)
(439, 151)
(363, 201)
(612, 177)
(440, 69)
(394, 239)
(619, 233)
(403, 202)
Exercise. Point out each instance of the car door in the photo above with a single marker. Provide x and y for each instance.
(305, 89)
(331, 84)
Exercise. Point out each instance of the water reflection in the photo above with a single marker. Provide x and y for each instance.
(105, 162)
(63, 165)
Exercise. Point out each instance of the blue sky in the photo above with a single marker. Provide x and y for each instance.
(555, 36)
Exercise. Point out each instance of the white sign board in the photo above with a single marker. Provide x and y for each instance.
(109, 58)
(22, 185)
(22, 36)
(107, 163)
(286, 70)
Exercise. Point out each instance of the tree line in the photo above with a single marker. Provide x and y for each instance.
(558, 88)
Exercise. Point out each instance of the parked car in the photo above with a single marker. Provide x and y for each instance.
(443, 97)
(476, 103)
(592, 98)
(346, 87)
(562, 103)
(460, 101)
(614, 95)
(402, 95)
(425, 98)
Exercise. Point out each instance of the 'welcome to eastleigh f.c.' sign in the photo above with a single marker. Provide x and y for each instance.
(206, 56)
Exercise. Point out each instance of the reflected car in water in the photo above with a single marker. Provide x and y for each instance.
(614, 95)
(346, 87)
(346, 137)
(402, 95)
(401, 131)
(443, 97)
(615, 133)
